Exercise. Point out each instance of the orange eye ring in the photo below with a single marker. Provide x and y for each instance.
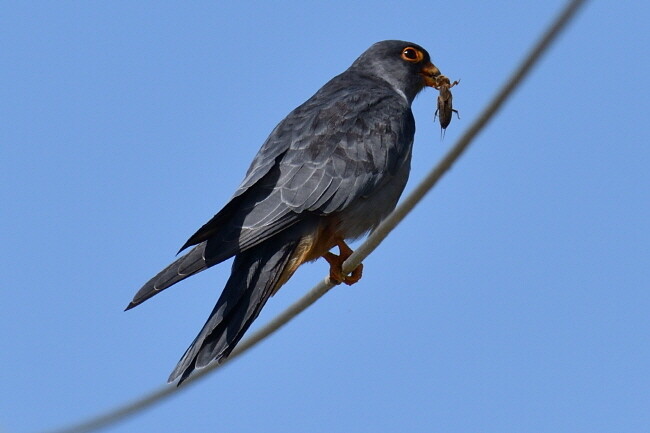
(413, 55)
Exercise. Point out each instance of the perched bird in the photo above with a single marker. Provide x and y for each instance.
(331, 171)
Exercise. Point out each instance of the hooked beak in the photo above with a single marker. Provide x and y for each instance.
(430, 73)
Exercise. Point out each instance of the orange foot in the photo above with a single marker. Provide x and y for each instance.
(336, 265)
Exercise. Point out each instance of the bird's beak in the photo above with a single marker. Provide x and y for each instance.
(430, 72)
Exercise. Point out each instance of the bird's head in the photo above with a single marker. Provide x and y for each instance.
(405, 65)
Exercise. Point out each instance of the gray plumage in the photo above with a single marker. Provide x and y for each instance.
(340, 160)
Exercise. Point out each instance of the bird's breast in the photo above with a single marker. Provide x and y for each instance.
(366, 213)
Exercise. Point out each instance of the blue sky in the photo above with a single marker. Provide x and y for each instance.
(515, 298)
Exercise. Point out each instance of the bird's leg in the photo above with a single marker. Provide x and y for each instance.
(336, 265)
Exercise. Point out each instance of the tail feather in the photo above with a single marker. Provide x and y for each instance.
(190, 264)
(255, 275)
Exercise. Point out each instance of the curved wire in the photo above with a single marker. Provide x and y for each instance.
(370, 244)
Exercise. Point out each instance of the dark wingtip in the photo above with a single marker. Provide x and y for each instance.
(175, 378)
(171, 380)
(184, 377)
(131, 305)
(187, 244)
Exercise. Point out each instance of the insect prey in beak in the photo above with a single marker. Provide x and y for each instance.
(445, 108)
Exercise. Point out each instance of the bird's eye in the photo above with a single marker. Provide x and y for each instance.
(412, 55)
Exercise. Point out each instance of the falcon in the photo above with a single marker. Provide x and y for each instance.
(329, 172)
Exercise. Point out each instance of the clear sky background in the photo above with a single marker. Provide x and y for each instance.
(515, 298)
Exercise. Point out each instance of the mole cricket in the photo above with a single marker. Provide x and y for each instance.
(445, 108)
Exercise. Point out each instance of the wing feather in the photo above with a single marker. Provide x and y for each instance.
(335, 148)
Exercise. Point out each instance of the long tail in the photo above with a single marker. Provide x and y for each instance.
(188, 265)
(256, 275)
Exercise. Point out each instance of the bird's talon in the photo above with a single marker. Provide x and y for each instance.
(354, 276)
(334, 280)
(336, 267)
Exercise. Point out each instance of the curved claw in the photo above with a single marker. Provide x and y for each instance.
(336, 265)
